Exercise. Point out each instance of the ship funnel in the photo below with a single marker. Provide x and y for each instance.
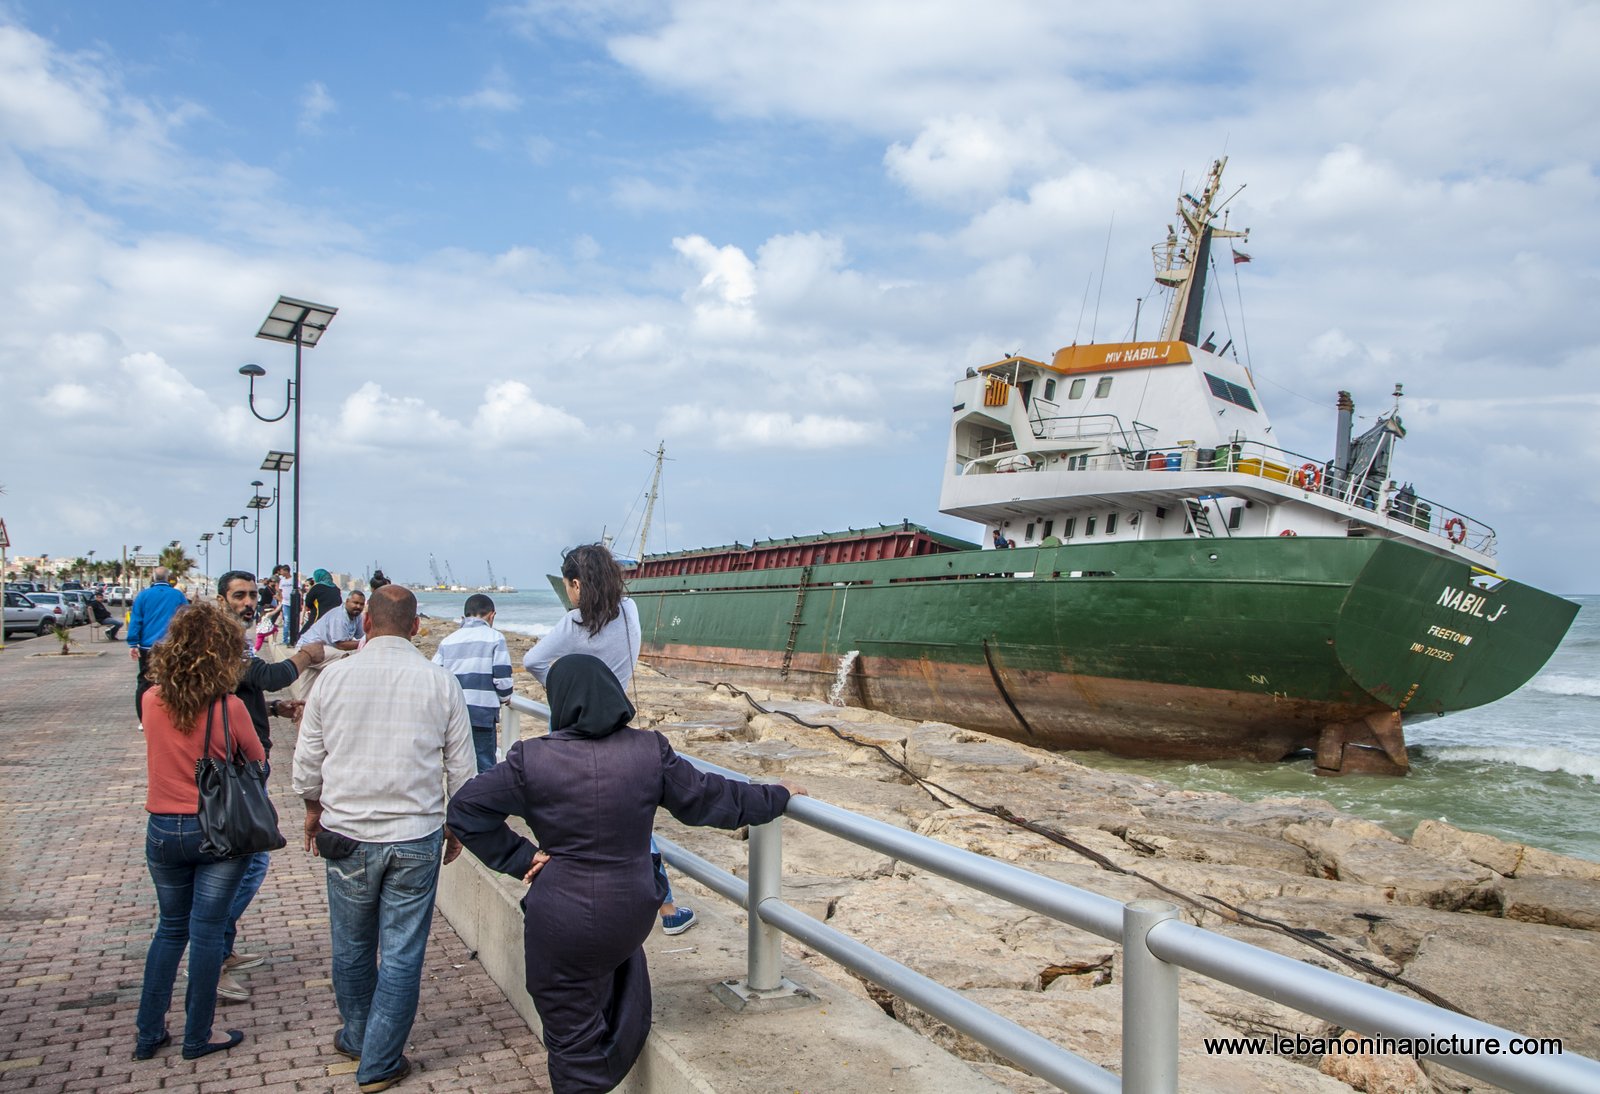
(1341, 439)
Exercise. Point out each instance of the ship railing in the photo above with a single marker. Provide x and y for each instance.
(1090, 427)
(1386, 504)
(1156, 944)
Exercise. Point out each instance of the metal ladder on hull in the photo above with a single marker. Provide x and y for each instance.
(1198, 520)
(795, 624)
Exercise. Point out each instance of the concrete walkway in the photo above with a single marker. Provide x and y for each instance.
(77, 908)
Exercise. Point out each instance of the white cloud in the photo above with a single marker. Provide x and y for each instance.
(315, 104)
(723, 301)
(738, 429)
(495, 95)
(956, 159)
(510, 416)
(370, 417)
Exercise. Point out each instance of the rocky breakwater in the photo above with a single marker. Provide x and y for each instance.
(1503, 932)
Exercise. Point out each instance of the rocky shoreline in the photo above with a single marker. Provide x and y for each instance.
(1501, 931)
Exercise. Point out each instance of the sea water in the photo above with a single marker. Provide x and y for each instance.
(1523, 769)
(528, 611)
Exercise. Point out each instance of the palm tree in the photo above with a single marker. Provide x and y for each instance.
(176, 562)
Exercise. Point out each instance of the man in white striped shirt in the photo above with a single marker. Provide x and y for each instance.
(477, 656)
(384, 743)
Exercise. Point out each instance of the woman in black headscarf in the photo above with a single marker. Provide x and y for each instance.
(589, 791)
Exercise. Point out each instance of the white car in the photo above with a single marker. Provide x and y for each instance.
(60, 612)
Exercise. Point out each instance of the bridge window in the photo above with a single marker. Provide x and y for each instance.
(1088, 527)
(1027, 537)
(1077, 389)
(1234, 515)
(1230, 392)
(1049, 526)
(1103, 388)
(1049, 389)
(1068, 526)
(1111, 523)
(1077, 463)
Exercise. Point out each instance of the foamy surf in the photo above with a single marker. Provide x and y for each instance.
(1537, 759)
(1563, 683)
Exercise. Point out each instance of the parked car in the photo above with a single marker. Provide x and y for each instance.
(22, 614)
(74, 583)
(60, 613)
(78, 601)
(118, 594)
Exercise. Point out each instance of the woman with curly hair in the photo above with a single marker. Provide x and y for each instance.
(197, 666)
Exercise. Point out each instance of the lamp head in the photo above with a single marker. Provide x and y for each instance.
(256, 483)
(252, 370)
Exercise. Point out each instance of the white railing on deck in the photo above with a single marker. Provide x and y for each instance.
(1156, 943)
(1268, 462)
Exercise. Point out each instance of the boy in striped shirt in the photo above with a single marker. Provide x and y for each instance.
(477, 656)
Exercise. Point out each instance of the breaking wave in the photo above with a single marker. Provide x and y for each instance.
(1565, 683)
(1538, 759)
(537, 630)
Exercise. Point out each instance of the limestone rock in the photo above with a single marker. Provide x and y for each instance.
(1089, 1023)
(705, 724)
(1270, 816)
(1509, 973)
(1558, 901)
(935, 748)
(954, 942)
(1359, 851)
(1377, 1073)
(1199, 843)
(1504, 858)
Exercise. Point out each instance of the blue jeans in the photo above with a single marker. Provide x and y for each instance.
(255, 872)
(193, 892)
(380, 899)
(483, 741)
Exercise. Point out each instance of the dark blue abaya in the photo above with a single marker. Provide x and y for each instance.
(589, 792)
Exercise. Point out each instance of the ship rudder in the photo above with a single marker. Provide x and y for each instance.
(1373, 746)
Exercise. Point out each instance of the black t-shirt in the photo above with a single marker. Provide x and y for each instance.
(321, 600)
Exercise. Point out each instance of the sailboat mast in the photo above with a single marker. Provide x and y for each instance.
(650, 503)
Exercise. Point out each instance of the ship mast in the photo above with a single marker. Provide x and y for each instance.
(1181, 264)
(650, 503)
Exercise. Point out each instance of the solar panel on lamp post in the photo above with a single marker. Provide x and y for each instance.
(277, 462)
(301, 324)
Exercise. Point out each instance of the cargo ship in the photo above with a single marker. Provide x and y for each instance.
(1156, 577)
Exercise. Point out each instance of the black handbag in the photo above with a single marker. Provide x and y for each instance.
(236, 815)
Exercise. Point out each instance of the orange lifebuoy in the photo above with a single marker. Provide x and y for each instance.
(1456, 529)
(1309, 477)
(1288, 532)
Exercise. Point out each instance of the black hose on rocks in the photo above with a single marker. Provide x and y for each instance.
(1000, 812)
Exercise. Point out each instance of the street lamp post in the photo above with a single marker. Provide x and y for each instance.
(278, 463)
(244, 523)
(301, 324)
(228, 535)
(205, 543)
(258, 501)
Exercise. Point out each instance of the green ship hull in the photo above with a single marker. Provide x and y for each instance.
(1250, 648)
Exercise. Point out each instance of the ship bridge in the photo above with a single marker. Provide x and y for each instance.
(1148, 440)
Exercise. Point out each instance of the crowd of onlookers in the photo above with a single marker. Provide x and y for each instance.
(395, 758)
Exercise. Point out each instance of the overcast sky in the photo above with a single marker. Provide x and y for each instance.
(771, 235)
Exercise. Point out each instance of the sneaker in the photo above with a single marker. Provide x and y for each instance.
(238, 962)
(678, 922)
(388, 1080)
(230, 990)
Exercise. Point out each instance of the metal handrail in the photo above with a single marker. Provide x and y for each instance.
(1155, 944)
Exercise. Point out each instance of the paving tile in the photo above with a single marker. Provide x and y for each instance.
(77, 908)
